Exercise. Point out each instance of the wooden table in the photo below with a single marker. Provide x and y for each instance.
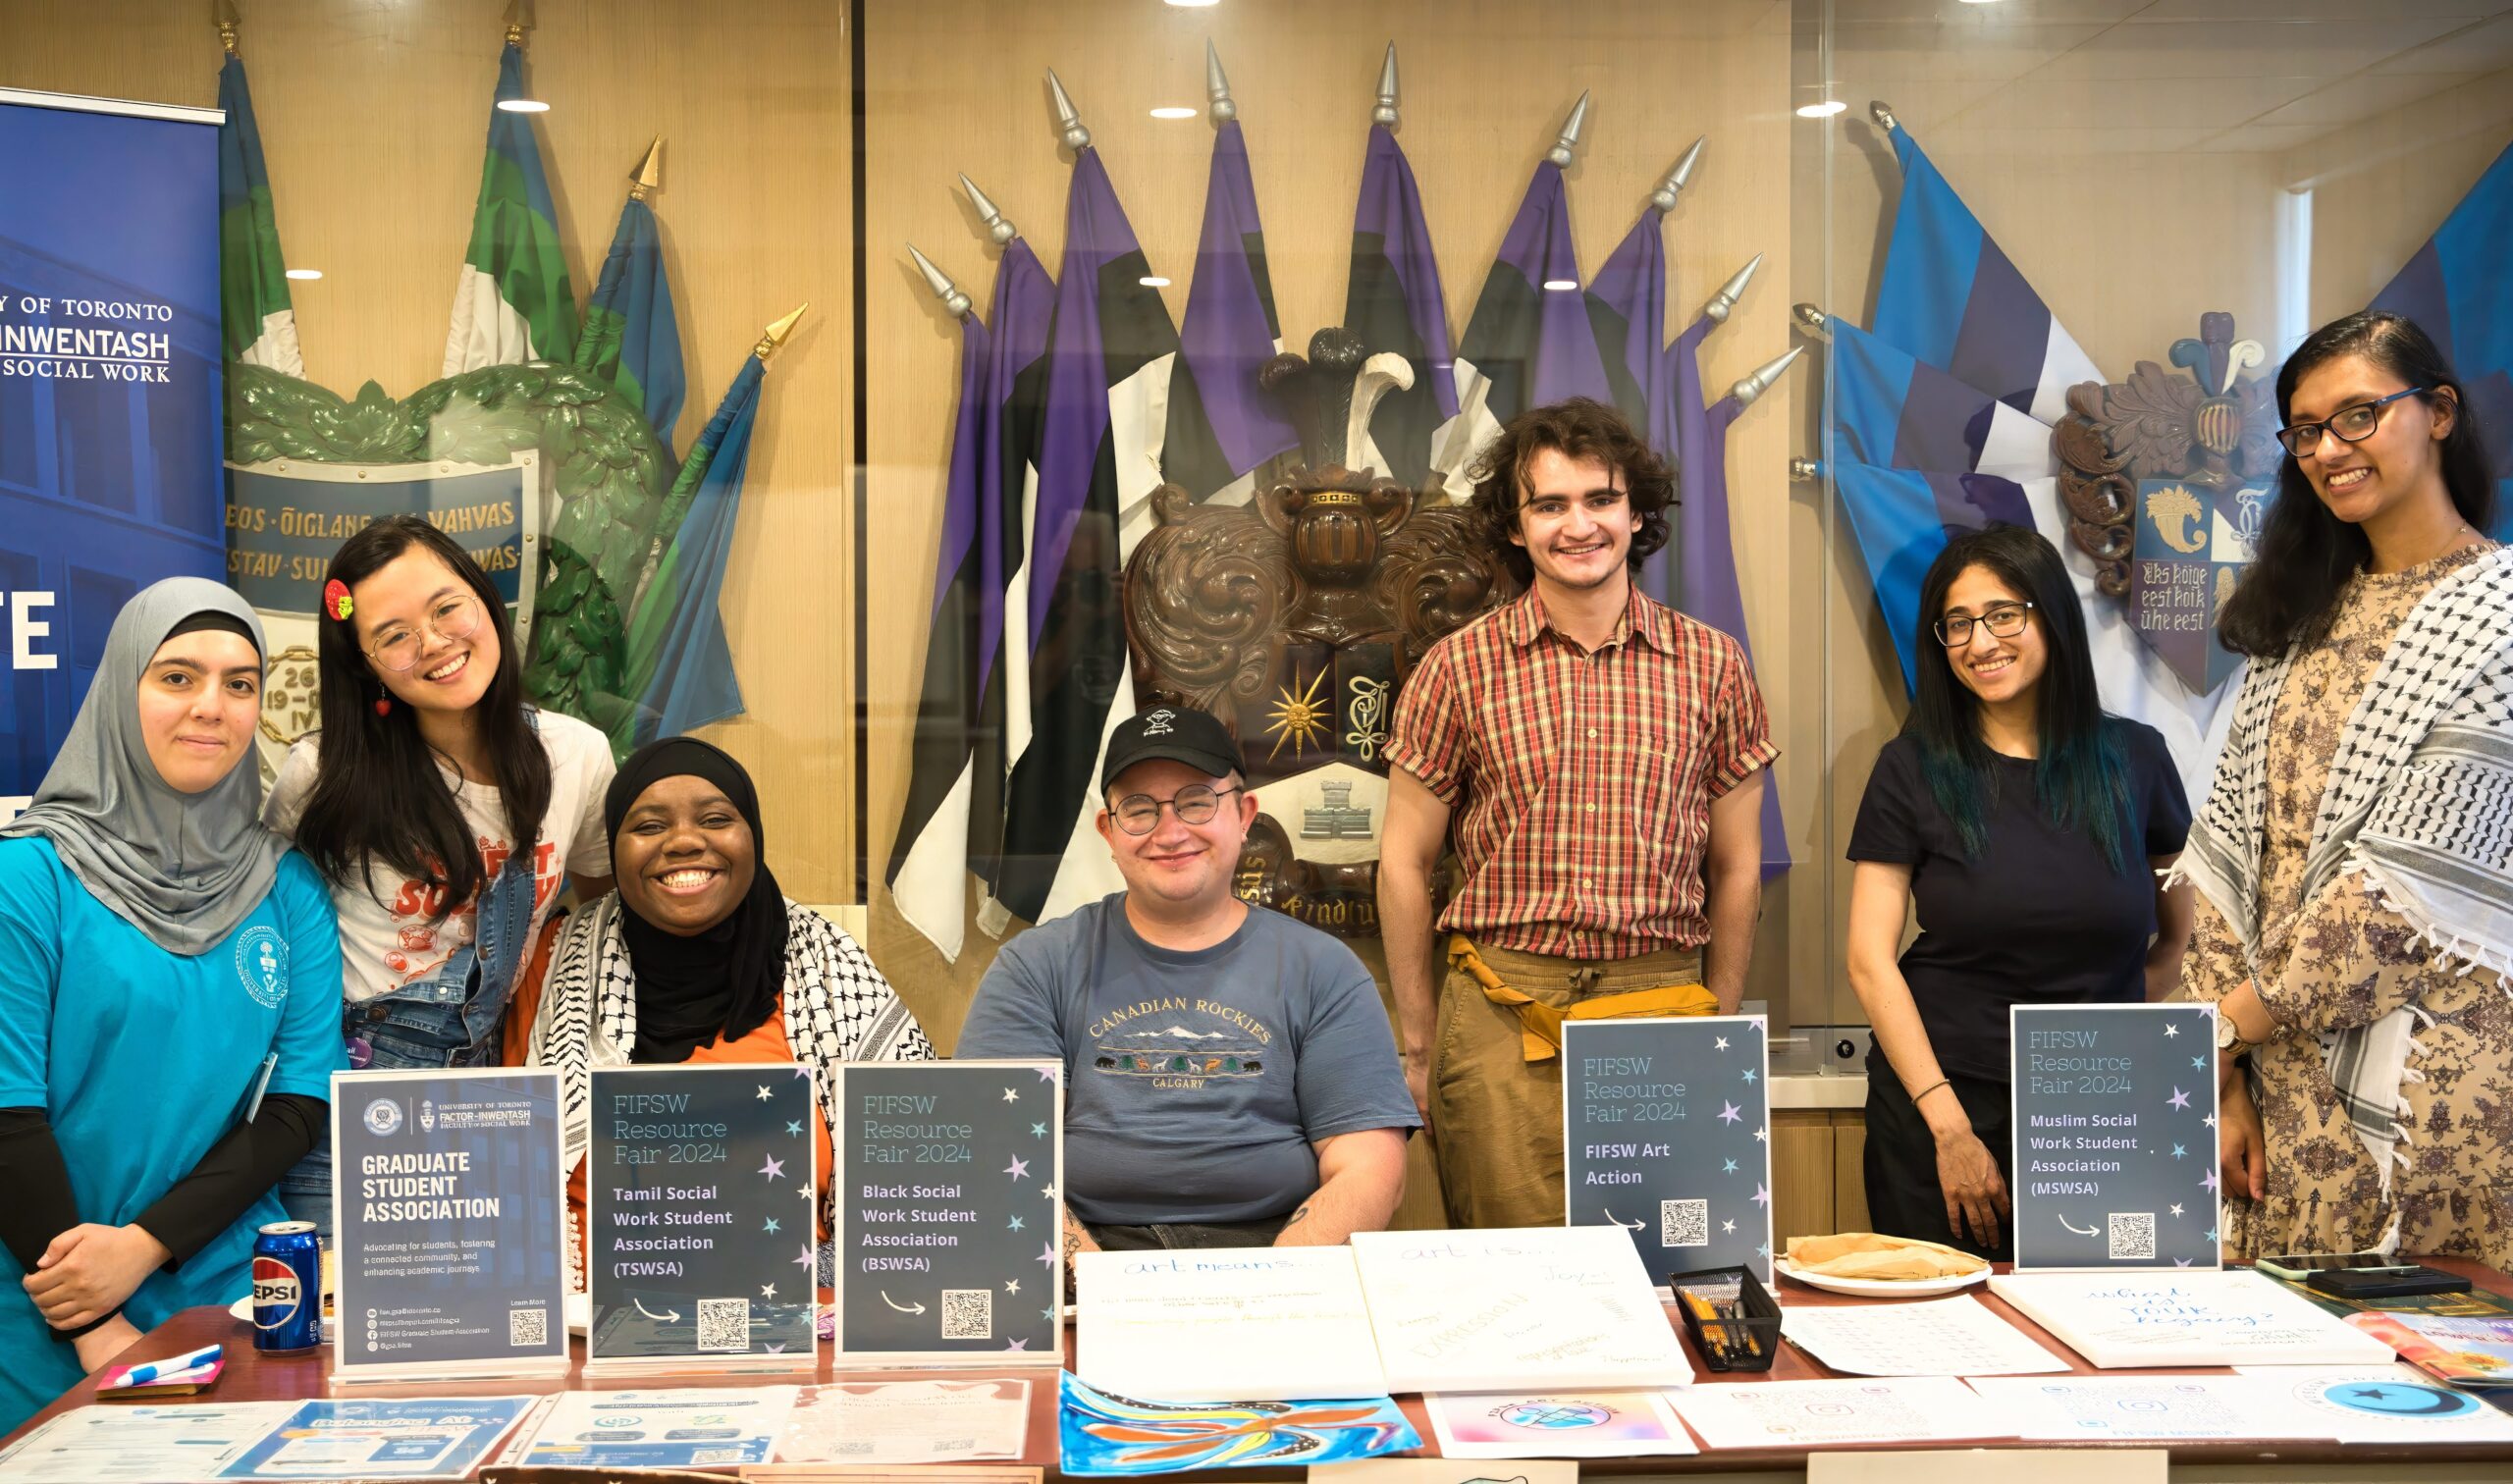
(252, 1376)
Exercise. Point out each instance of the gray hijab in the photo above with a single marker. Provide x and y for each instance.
(183, 869)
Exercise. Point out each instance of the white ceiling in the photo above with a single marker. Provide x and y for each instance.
(2108, 75)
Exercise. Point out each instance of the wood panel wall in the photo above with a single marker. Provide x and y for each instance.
(373, 121)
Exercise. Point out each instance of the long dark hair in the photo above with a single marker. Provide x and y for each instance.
(1577, 428)
(2081, 774)
(2306, 554)
(379, 794)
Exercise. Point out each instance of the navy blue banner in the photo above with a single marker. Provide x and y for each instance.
(109, 394)
(1666, 1132)
(2115, 1136)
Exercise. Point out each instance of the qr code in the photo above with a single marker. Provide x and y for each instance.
(968, 1313)
(699, 1457)
(2133, 1236)
(1684, 1223)
(528, 1326)
(723, 1324)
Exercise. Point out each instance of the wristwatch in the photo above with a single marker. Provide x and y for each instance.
(2229, 1040)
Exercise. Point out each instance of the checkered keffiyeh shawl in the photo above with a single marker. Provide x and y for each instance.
(2419, 805)
(838, 1008)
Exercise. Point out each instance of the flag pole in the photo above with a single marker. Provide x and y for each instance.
(774, 337)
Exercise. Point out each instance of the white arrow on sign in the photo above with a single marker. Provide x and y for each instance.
(2074, 1227)
(901, 1307)
(668, 1316)
(1629, 1226)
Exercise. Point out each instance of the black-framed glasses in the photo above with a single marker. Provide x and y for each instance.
(454, 617)
(2352, 424)
(1195, 804)
(2003, 621)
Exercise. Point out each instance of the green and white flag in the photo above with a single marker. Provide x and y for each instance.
(252, 275)
(514, 303)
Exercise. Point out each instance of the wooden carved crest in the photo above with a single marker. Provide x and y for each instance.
(1296, 618)
(2166, 479)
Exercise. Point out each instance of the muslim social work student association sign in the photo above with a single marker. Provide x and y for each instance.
(109, 391)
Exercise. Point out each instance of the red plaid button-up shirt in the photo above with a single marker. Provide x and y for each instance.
(1581, 782)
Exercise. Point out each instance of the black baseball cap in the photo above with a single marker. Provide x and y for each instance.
(1179, 733)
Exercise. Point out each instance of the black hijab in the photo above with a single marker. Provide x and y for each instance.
(724, 981)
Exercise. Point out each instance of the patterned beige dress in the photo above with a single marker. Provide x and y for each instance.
(2343, 958)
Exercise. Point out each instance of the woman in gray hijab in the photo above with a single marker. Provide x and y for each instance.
(169, 983)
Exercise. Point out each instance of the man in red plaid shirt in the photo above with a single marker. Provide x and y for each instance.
(1601, 757)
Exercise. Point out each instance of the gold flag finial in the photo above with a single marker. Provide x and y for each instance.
(649, 174)
(221, 14)
(518, 22)
(776, 336)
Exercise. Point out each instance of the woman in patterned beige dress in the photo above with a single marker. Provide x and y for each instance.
(2355, 912)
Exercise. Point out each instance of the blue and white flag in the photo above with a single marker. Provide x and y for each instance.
(630, 337)
(2458, 290)
(1894, 409)
(1950, 297)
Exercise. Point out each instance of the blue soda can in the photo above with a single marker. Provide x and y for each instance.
(288, 1287)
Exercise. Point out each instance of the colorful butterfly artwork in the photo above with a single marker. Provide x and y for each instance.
(1103, 1434)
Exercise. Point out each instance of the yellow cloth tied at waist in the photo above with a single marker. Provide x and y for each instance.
(1540, 1023)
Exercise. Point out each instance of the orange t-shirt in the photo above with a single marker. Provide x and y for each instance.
(764, 1046)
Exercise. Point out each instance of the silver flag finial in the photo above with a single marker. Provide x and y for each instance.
(996, 227)
(1813, 319)
(1764, 375)
(1805, 470)
(941, 283)
(1068, 121)
(1678, 178)
(1724, 302)
(1883, 113)
(1384, 110)
(1217, 88)
(1565, 143)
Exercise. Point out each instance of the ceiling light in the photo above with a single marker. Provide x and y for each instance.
(305, 274)
(1153, 282)
(1823, 110)
(522, 105)
(1561, 285)
(1980, 2)
(1193, 4)
(1173, 111)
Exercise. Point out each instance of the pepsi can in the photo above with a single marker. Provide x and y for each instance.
(288, 1287)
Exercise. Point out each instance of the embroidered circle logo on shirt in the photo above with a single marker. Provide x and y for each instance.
(261, 963)
(383, 1116)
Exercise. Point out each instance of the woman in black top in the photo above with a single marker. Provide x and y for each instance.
(2022, 821)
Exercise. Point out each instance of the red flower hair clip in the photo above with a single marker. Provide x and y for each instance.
(335, 600)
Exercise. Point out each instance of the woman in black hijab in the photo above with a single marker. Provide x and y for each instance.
(697, 957)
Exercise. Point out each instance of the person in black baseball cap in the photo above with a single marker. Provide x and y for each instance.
(1231, 1078)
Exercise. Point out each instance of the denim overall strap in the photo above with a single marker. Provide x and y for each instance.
(452, 1020)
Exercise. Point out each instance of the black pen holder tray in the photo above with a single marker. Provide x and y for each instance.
(1753, 1336)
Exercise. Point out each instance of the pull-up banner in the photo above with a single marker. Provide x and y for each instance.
(109, 391)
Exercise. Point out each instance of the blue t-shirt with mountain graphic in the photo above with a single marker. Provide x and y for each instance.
(1196, 1083)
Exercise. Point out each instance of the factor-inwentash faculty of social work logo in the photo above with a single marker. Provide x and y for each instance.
(261, 964)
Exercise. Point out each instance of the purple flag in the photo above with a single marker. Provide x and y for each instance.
(1628, 310)
(1110, 348)
(1528, 341)
(953, 819)
(1222, 423)
(1392, 301)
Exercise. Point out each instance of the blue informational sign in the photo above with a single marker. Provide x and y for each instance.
(2116, 1137)
(448, 1202)
(702, 1214)
(381, 1440)
(109, 391)
(947, 1231)
(1666, 1132)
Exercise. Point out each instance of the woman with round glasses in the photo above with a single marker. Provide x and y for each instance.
(2355, 906)
(2026, 826)
(441, 808)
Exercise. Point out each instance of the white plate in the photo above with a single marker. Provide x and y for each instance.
(243, 1308)
(1880, 1288)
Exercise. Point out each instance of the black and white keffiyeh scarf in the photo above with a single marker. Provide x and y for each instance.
(2418, 807)
(838, 1008)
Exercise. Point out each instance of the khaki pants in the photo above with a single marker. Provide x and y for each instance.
(1496, 1117)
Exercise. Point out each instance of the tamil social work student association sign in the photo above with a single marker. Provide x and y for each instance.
(109, 391)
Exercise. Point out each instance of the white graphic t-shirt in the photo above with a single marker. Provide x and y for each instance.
(387, 940)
